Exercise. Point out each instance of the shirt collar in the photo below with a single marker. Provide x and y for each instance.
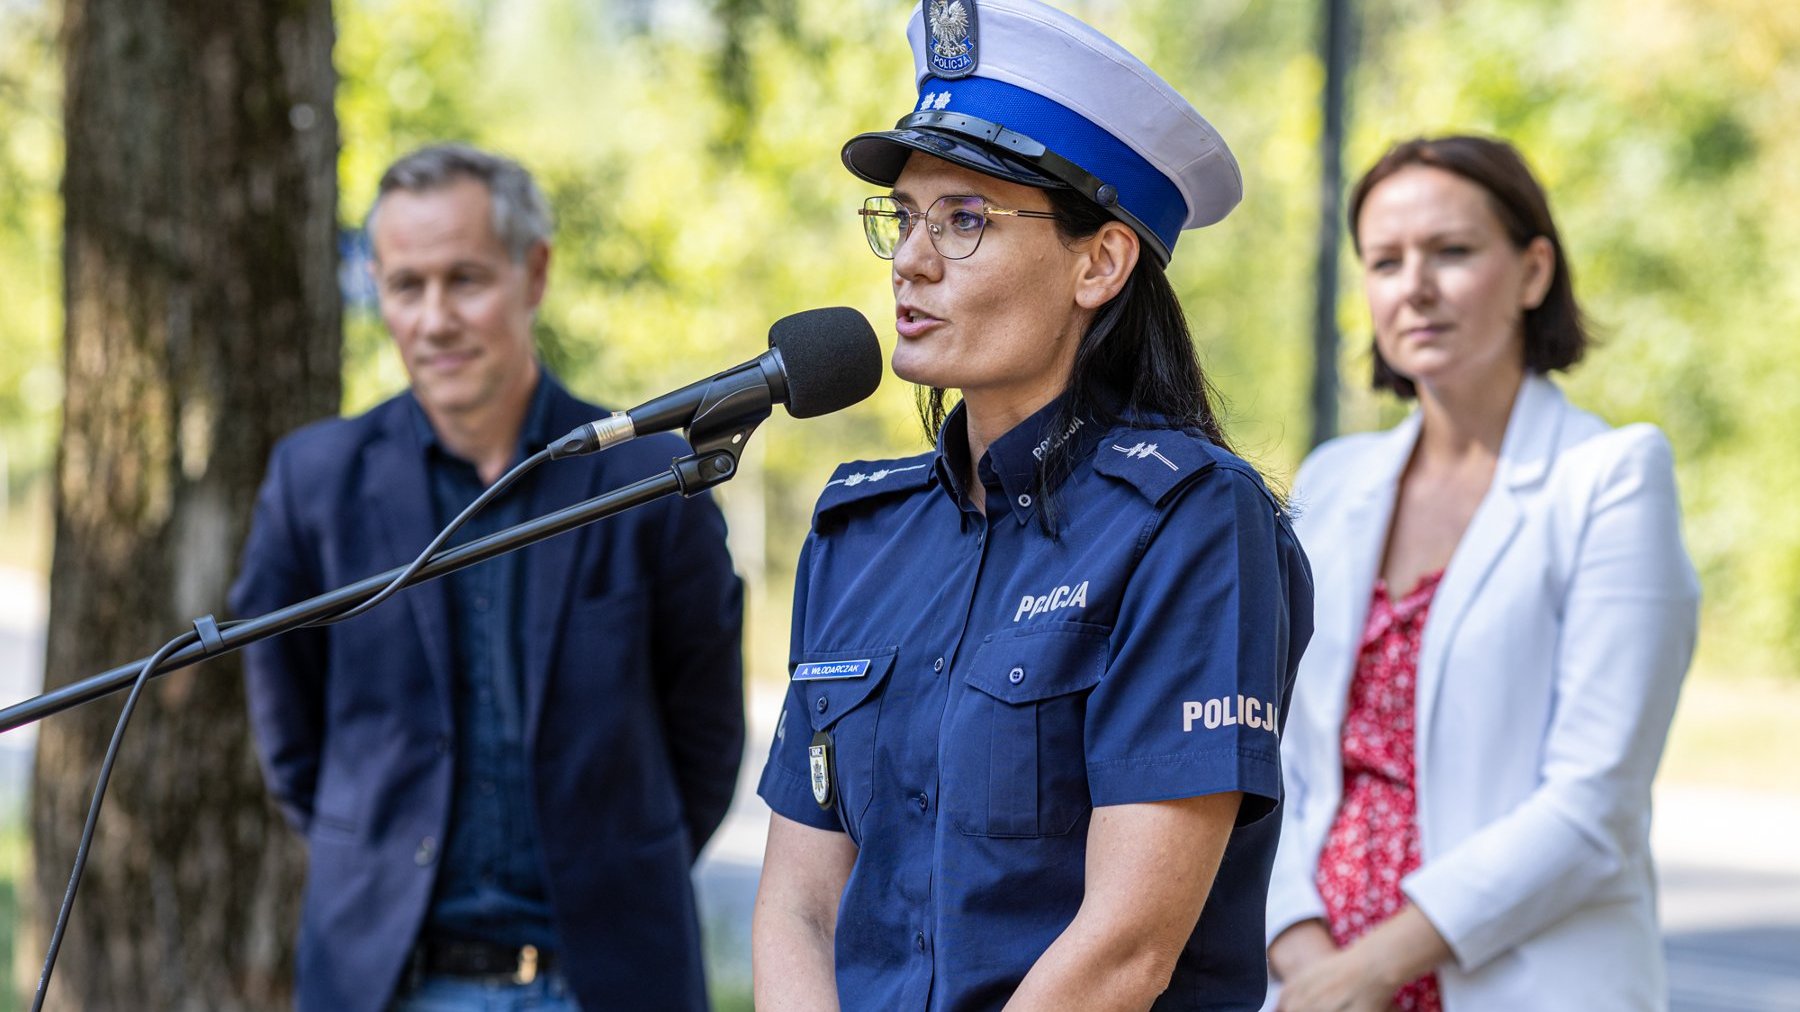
(1011, 462)
(534, 434)
(952, 463)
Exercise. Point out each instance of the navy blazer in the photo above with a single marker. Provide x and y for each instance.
(633, 700)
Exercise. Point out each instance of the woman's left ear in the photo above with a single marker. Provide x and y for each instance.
(1540, 270)
(1108, 258)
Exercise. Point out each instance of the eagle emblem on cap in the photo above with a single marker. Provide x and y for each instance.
(950, 27)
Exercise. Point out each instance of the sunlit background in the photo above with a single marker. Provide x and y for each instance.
(689, 148)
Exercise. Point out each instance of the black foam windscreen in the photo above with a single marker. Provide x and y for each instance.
(831, 358)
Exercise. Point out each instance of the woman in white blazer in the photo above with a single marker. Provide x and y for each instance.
(1549, 660)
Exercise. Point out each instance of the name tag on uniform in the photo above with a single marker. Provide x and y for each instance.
(815, 671)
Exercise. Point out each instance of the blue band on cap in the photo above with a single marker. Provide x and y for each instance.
(1143, 191)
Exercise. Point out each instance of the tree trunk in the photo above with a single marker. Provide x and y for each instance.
(203, 322)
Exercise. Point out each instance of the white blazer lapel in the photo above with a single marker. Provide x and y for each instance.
(1367, 513)
(1525, 454)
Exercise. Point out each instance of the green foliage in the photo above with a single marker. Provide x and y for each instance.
(30, 270)
(1663, 131)
(690, 149)
(15, 881)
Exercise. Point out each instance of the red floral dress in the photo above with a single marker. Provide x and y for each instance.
(1374, 842)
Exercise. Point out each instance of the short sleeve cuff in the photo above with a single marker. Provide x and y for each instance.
(1255, 772)
(791, 797)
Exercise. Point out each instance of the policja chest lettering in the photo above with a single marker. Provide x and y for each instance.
(1056, 600)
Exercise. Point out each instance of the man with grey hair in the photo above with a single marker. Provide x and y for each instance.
(504, 775)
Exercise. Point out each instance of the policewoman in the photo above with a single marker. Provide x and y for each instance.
(1029, 753)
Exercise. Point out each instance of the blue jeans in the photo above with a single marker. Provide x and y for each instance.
(438, 993)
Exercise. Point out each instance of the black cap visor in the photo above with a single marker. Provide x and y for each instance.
(877, 157)
(992, 150)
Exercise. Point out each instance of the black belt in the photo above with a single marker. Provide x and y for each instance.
(467, 957)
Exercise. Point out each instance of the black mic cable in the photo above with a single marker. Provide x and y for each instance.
(394, 586)
(405, 578)
(833, 361)
(93, 815)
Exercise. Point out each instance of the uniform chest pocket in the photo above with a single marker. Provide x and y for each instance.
(840, 691)
(1015, 764)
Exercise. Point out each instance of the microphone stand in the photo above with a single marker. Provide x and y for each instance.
(728, 413)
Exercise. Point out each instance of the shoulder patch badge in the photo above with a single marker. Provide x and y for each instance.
(818, 763)
(856, 478)
(1155, 461)
(1141, 449)
(864, 480)
(951, 37)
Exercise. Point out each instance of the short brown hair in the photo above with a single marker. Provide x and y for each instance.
(1556, 332)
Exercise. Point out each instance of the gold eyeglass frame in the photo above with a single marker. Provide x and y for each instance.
(934, 230)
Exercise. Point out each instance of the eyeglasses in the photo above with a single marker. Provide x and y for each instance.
(954, 224)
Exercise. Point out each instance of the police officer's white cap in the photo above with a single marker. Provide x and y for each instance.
(1022, 91)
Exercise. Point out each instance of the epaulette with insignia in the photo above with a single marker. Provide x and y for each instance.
(1154, 461)
(863, 479)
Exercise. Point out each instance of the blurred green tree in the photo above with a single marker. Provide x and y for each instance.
(30, 214)
(691, 151)
(201, 323)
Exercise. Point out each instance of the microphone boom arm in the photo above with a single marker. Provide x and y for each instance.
(718, 435)
(746, 394)
(733, 405)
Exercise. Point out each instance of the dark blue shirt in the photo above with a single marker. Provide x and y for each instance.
(490, 884)
(984, 685)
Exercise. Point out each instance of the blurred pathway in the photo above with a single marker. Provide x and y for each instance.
(1729, 864)
(21, 675)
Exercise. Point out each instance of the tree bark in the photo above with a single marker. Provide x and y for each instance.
(203, 322)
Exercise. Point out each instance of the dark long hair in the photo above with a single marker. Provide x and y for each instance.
(1556, 332)
(1135, 363)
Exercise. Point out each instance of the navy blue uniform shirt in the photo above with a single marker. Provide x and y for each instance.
(984, 685)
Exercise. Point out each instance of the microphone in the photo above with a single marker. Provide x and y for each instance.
(819, 361)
